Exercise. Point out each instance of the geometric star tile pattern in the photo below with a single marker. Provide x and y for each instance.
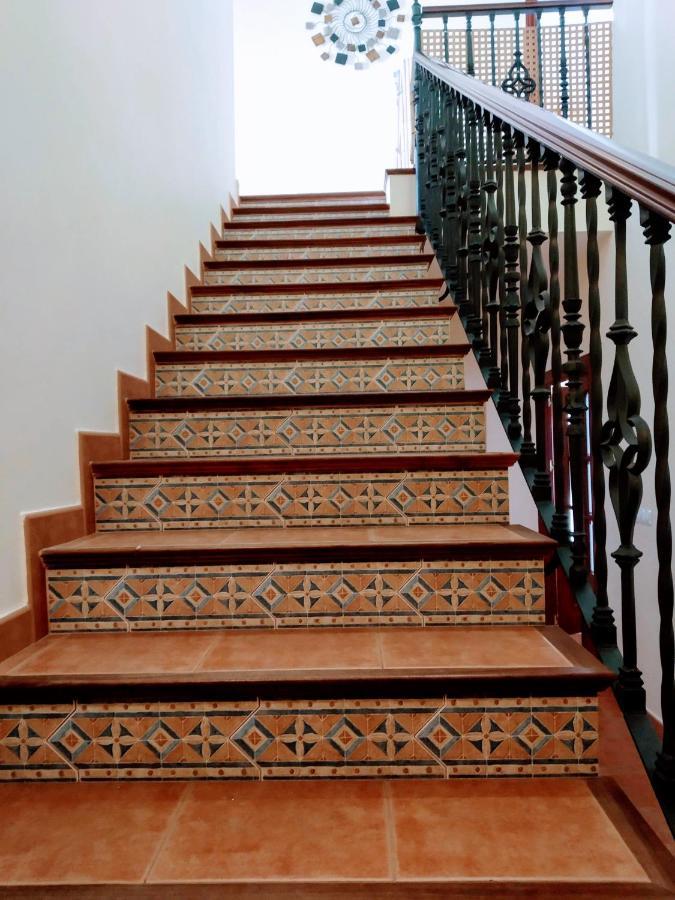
(259, 254)
(434, 738)
(219, 379)
(359, 271)
(251, 433)
(390, 498)
(260, 233)
(295, 595)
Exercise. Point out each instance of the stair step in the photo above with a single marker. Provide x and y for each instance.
(345, 197)
(330, 211)
(319, 248)
(318, 271)
(308, 228)
(301, 298)
(491, 575)
(316, 330)
(343, 424)
(442, 702)
(161, 494)
(369, 370)
(426, 839)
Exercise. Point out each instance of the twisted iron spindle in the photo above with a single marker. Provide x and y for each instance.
(527, 448)
(512, 284)
(491, 255)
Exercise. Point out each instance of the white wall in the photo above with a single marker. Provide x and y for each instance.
(303, 124)
(117, 151)
(644, 73)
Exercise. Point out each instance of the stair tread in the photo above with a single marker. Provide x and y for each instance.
(219, 265)
(302, 243)
(398, 538)
(424, 351)
(418, 399)
(312, 656)
(422, 838)
(443, 310)
(324, 287)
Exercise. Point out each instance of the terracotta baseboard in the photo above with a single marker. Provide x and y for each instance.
(16, 632)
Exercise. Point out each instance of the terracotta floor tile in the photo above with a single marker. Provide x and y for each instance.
(291, 830)
(116, 654)
(484, 830)
(330, 649)
(82, 833)
(516, 647)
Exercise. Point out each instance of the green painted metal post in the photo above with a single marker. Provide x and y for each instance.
(446, 40)
(417, 26)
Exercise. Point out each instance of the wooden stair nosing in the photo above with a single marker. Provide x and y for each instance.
(223, 265)
(411, 285)
(263, 211)
(309, 401)
(303, 243)
(247, 198)
(440, 311)
(585, 676)
(435, 351)
(318, 224)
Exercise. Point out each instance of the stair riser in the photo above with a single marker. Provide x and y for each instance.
(260, 254)
(318, 231)
(307, 432)
(473, 737)
(299, 303)
(320, 274)
(253, 216)
(306, 378)
(236, 501)
(291, 595)
(310, 203)
(314, 336)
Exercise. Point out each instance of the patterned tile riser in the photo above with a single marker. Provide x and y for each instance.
(249, 218)
(293, 595)
(309, 275)
(250, 434)
(313, 337)
(218, 379)
(264, 303)
(437, 738)
(258, 254)
(280, 500)
(316, 231)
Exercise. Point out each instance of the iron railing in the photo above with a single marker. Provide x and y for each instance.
(481, 155)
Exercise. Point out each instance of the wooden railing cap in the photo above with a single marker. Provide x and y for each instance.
(643, 178)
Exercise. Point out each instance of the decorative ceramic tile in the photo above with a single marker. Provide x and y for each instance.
(309, 232)
(259, 254)
(263, 302)
(307, 432)
(402, 271)
(236, 501)
(218, 379)
(315, 335)
(434, 738)
(292, 595)
(25, 750)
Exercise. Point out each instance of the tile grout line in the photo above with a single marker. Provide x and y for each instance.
(169, 829)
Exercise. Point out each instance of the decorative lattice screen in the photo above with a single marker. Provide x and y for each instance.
(505, 42)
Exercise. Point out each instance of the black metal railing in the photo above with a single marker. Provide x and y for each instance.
(563, 67)
(485, 162)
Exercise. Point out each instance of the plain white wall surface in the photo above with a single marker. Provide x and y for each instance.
(117, 150)
(644, 121)
(303, 124)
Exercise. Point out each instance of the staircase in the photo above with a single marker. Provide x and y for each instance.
(304, 568)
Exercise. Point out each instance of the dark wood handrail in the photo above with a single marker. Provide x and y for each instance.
(527, 6)
(640, 177)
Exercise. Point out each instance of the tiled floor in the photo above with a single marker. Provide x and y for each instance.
(528, 831)
(324, 649)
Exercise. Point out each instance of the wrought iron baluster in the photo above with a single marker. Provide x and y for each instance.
(540, 61)
(519, 82)
(452, 271)
(527, 448)
(574, 369)
(491, 255)
(560, 521)
(493, 50)
(587, 55)
(537, 316)
(503, 402)
(475, 237)
(564, 72)
(626, 449)
(603, 627)
(447, 162)
(657, 233)
(484, 349)
(446, 40)
(463, 210)
(470, 66)
(512, 284)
